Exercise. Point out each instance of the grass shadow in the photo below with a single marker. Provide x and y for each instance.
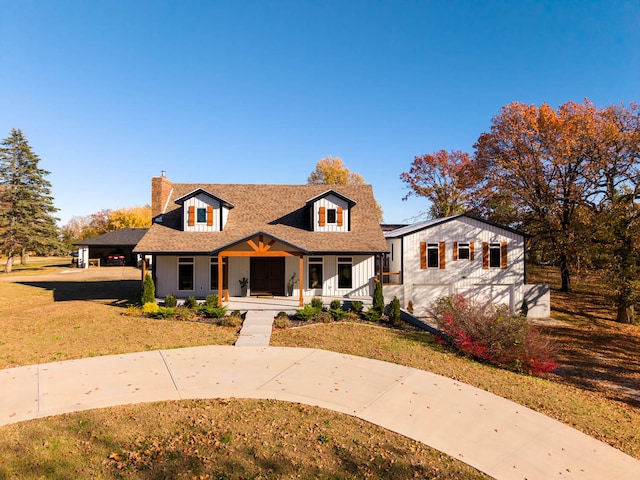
(113, 292)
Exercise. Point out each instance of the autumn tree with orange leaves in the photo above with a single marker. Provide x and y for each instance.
(449, 180)
(107, 220)
(332, 171)
(569, 177)
(542, 158)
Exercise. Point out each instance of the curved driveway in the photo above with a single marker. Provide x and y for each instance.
(494, 435)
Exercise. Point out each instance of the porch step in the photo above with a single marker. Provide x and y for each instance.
(256, 329)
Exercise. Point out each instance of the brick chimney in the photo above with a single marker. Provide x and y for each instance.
(161, 189)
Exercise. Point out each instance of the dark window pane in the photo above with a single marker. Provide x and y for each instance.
(494, 255)
(344, 275)
(214, 276)
(433, 254)
(202, 215)
(185, 276)
(331, 215)
(315, 276)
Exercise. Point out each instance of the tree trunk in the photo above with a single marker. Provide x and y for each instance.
(24, 257)
(9, 266)
(565, 275)
(626, 314)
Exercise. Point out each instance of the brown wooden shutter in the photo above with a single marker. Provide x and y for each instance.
(485, 255)
(323, 216)
(339, 216)
(443, 255)
(210, 216)
(471, 250)
(423, 255)
(191, 220)
(455, 251)
(503, 255)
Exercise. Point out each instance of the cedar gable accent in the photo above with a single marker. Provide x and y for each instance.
(442, 259)
(339, 216)
(455, 251)
(323, 216)
(423, 255)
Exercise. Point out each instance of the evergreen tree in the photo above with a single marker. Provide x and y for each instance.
(26, 205)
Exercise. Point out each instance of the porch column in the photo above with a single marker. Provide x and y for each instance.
(301, 277)
(220, 279)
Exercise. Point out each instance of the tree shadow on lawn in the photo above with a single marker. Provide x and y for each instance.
(601, 357)
(113, 292)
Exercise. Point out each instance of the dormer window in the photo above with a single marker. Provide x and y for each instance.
(331, 212)
(203, 211)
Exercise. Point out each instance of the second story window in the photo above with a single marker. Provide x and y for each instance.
(202, 215)
(464, 251)
(433, 259)
(494, 255)
(331, 215)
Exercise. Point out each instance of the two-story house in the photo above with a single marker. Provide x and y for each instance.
(206, 238)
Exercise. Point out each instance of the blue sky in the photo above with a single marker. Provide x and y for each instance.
(109, 93)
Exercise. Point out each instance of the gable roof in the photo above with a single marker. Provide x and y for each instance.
(124, 237)
(326, 193)
(416, 227)
(280, 211)
(198, 191)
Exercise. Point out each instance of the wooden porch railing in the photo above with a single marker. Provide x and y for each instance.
(391, 278)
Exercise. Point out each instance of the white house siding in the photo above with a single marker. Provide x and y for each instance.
(331, 202)
(422, 286)
(202, 201)
(363, 271)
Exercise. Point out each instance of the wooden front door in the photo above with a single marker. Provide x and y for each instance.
(267, 276)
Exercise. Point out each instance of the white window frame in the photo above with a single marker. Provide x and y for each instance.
(315, 261)
(344, 261)
(464, 246)
(430, 248)
(493, 247)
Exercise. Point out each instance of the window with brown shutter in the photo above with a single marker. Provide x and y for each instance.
(339, 216)
(209, 216)
(455, 251)
(191, 218)
(423, 255)
(443, 260)
(323, 216)
(471, 250)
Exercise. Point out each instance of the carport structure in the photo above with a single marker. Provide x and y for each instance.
(121, 242)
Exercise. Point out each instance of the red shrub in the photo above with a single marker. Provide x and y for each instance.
(490, 333)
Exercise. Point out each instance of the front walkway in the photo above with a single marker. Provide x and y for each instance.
(503, 439)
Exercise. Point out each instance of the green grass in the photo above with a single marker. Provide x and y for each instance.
(45, 321)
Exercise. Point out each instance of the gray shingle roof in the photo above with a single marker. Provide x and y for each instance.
(124, 237)
(277, 210)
